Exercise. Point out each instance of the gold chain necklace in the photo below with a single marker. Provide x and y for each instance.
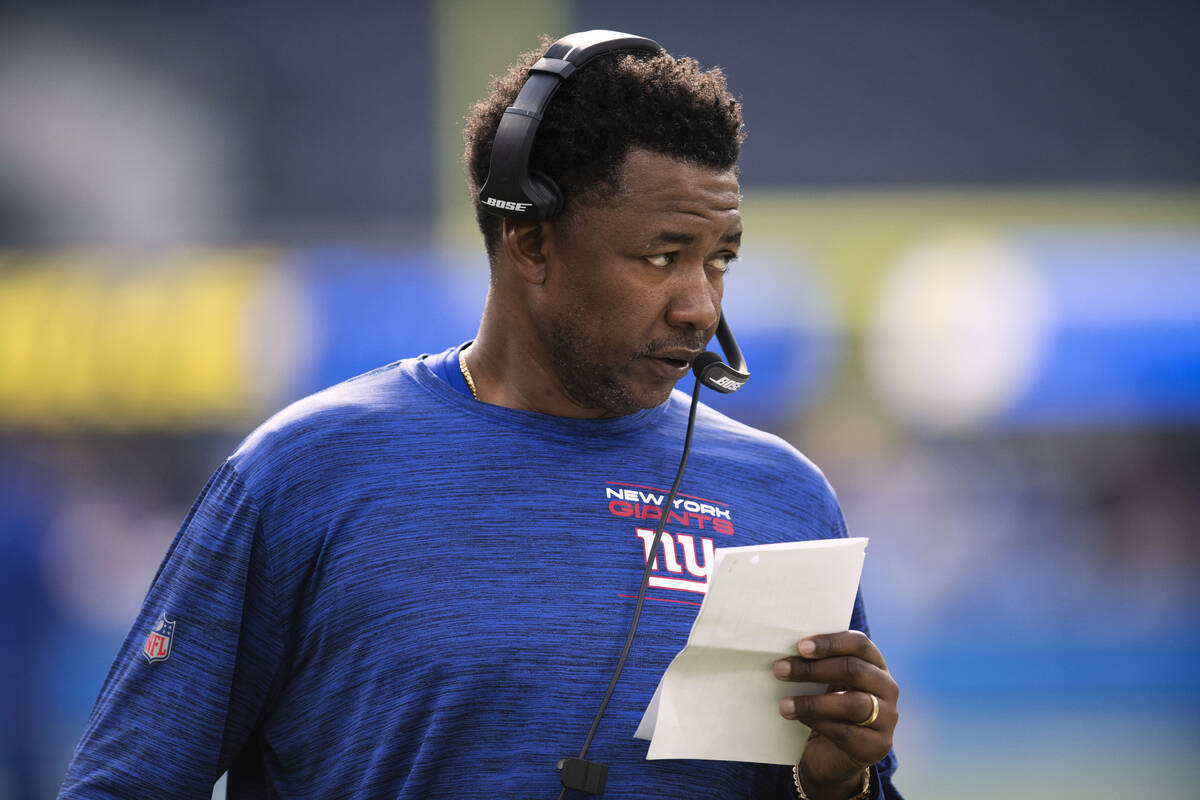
(466, 373)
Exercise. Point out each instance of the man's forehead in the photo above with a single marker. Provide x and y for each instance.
(655, 185)
(733, 235)
(661, 199)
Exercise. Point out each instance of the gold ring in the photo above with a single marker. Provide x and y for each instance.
(874, 712)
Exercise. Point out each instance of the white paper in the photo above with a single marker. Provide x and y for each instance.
(718, 699)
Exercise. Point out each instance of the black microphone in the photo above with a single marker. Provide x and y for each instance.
(713, 372)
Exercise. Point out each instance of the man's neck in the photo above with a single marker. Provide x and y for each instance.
(511, 369)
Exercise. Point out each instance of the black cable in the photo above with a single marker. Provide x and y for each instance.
(641, 598)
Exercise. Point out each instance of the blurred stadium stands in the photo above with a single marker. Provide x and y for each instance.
(970, 292)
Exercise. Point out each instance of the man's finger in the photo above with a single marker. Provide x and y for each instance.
(852, 708)
(849, 671)
(845, 643)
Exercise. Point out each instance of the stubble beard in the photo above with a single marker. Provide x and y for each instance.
(591, 372)
(587, 378)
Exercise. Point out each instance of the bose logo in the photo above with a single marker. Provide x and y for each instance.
(505, 204)
(727, 383)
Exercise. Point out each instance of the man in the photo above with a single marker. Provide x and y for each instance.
(416, 583)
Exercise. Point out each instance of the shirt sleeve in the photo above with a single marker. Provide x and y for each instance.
(199, 665)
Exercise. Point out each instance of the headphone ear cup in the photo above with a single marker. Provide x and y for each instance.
(545, 194)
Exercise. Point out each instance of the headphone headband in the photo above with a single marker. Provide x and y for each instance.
(510, 189)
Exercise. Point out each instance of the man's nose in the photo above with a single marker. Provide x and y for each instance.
(696, 302)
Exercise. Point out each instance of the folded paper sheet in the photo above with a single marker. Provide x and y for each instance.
(718, 698)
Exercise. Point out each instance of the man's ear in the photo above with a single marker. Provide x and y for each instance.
(525, 245)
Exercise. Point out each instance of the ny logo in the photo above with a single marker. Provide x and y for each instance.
(672, 546)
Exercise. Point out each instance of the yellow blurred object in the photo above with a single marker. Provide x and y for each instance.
(85, 346)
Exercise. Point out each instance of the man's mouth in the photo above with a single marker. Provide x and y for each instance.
(673, 363)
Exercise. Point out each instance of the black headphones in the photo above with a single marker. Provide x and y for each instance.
(513, 190)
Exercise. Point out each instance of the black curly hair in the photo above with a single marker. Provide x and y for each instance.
(619, 100)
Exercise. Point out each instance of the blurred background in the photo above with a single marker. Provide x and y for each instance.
(970, 291)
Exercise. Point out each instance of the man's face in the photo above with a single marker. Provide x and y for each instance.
(634, 284)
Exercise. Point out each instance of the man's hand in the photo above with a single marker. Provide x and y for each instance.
(840, 747)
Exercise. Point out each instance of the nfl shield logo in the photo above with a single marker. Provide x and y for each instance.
(158, 643)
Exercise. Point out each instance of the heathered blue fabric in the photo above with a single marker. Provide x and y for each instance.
(393, 590)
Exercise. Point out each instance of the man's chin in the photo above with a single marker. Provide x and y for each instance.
(622, 401)
(660, 397)
(622, 391)
(642, 398)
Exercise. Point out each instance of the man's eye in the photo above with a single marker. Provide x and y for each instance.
(722, 262)
(660, 260)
